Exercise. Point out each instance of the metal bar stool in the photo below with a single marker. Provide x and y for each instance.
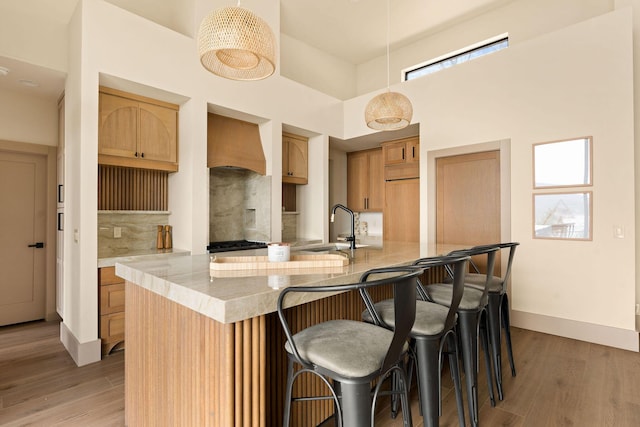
(498, 310)
(472, 322)
(351, 354)
(433, 330)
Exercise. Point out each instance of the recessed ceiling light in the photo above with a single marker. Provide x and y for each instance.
(4, 71)
(29, 83)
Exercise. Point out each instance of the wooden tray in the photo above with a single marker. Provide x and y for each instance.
(262, 262)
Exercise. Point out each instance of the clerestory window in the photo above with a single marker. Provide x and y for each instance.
(458, 57)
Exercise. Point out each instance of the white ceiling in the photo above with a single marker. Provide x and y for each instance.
(353, 30)
(356, 30)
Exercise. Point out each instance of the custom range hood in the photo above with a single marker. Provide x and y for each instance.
(234, 143)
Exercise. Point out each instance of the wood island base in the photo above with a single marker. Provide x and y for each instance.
(183, 368)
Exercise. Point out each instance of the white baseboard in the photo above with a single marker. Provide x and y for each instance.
(81, 353)
(589, 332)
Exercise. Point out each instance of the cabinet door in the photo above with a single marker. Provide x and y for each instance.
(158, 139)
(401, 215)
(375, 196)
(117, 126)
(294, 161)
(357, 180)
(111, 298)
(394, 153)
(413, 150)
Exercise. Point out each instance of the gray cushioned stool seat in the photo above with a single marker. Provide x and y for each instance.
(324, 345)
(441, 294)
(477, 280)
(430, 317)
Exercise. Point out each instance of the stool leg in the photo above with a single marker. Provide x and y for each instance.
(287, 399)
(493, 311)
(395, 385)
(428, 380)
(484, 339)
(452, 348)
(506, 323)
(356, 404)
(467, 322)
(404, 397)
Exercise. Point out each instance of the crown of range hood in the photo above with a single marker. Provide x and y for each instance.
(234, 143)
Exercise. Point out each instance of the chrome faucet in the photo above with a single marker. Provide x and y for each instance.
(352, 237)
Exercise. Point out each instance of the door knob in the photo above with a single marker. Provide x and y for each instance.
(38, 245)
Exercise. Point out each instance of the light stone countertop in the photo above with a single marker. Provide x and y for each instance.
(109, 260)
(232, 296)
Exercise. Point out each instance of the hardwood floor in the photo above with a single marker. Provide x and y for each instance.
(560, 382)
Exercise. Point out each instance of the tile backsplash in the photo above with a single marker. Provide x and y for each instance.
(239, 205)
(137, 229)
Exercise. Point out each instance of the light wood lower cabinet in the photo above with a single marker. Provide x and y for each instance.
(111, 309)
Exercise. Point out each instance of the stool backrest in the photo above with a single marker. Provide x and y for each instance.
(490, 252)
(512, 251)
(457, 265)
(403, 280)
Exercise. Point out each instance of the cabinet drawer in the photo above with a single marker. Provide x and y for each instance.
(107, 276)
(112, 327)
(402, 171)
(111, 298)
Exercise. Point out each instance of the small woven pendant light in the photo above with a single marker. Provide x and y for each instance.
(236, 44)
(389, 110)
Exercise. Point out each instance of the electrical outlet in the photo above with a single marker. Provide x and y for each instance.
(117, 232)
(637, 308)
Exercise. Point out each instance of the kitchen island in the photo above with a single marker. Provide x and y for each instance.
(206, 348)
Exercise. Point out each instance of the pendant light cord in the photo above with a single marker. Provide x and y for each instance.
(388, 25)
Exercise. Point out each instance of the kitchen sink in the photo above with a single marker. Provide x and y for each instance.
(330, 247)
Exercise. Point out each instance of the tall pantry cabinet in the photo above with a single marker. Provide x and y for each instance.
(401, 215)
(365, 181)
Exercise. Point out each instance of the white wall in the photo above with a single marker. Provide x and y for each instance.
(30, 119)
(572, 82)
(313, 198)
(522, 19)
(338, 191)
(317, 69)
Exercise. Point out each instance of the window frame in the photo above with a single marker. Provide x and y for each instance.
(564, 190)
(454, 54)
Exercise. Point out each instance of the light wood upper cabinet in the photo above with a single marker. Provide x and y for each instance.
(295, 153)
(401, 151)
(135, 131)
(401, 159)
(158, 139)
(365, 180)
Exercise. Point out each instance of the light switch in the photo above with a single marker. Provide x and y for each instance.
(117, 232)
(618, 232)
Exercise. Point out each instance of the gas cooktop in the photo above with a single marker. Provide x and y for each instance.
(234, 245)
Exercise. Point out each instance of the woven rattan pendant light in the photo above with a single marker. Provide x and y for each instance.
(389, 110)
(236, 44)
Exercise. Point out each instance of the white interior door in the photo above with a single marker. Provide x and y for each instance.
(22, 230)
